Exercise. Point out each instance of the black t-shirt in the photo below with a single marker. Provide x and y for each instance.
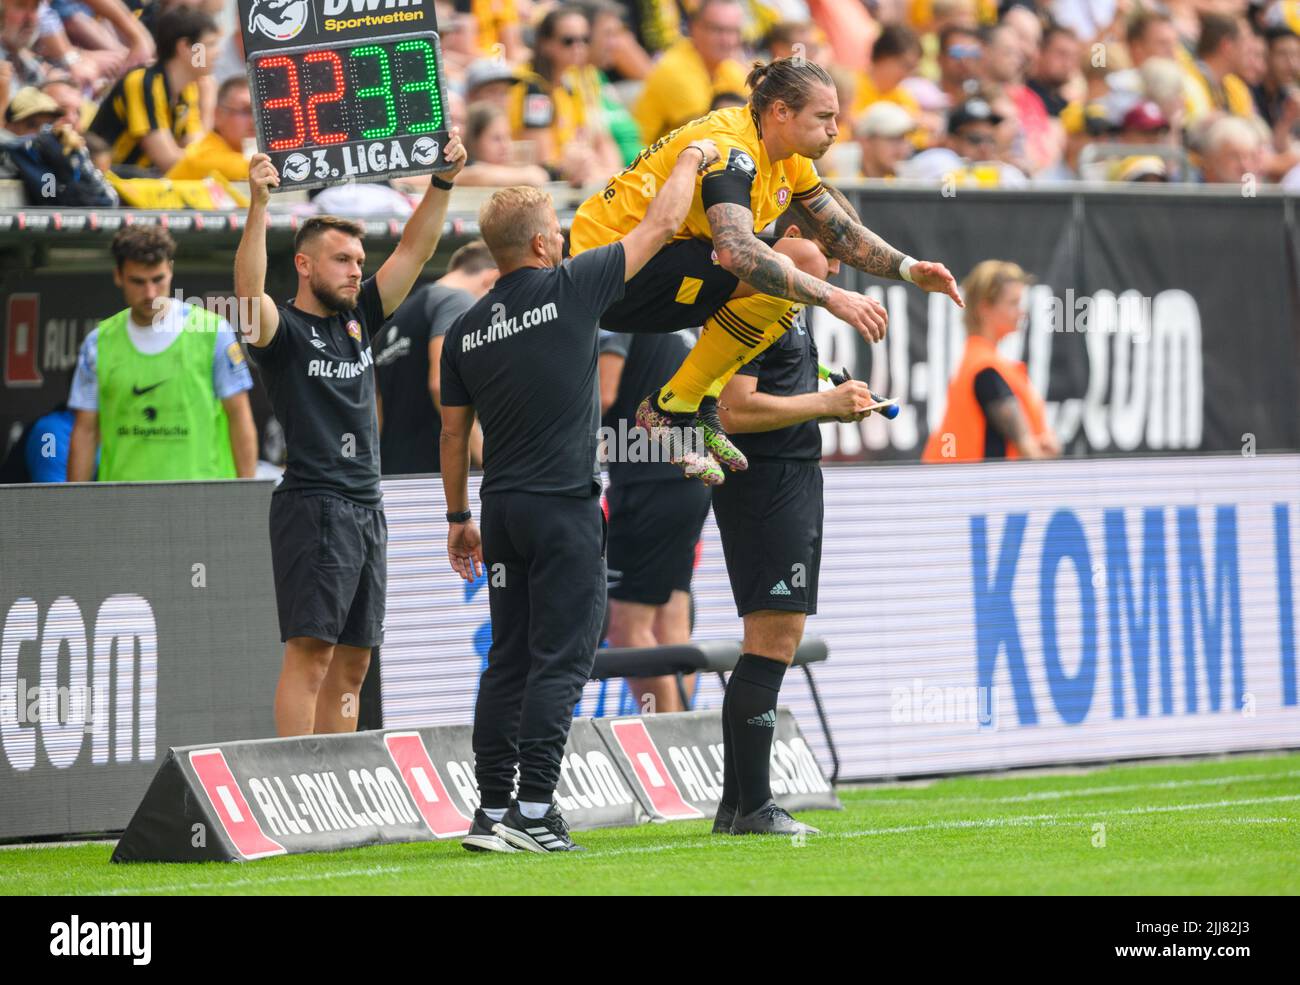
(408, 443)
(525, 357)
(787, 368)
(991, 388)
(649, 361)
(320, 375)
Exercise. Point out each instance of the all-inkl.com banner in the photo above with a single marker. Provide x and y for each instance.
(978, 616)
(1156, 324)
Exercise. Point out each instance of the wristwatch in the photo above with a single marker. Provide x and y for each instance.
(462, 517)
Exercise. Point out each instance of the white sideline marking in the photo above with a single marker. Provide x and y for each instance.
(1022, 821)
(1089, 791)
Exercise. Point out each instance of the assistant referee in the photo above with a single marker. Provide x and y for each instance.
(329, 537)
(523, 359)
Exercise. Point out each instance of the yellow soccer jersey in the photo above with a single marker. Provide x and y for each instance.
(743, 174)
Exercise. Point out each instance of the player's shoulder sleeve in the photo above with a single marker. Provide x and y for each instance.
(598, 276)
(453, 392)
(731, 178)
(448, 311)
(371, 305)
(84, 394)
(991, 388)
(615, 344)
(806, 182)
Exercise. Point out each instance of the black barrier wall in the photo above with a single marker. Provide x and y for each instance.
(1161, 322)
(135, 617)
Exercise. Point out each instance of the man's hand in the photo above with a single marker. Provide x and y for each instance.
(465, 550)
(710, 151)
(865, 314)
(849, 401)
(934, 277)
(262, 177)
(456, 156)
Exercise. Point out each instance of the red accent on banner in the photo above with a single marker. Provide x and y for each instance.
(22, 327)
(227, 800)
(421, 778)
(651, 771)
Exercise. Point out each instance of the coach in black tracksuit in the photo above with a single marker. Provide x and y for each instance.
(523, 359)
(770, 520)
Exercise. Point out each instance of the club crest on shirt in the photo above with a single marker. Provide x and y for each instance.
(782, 196)
(354, 329)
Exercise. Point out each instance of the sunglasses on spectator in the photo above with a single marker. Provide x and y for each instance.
(979, 139)
(239, 110)
(961, 51)
(574, 39)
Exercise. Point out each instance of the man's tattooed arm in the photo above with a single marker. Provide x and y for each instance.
(757, 264)
(821, 218)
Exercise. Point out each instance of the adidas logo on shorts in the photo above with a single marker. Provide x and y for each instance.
(779, 588)
(766, 720)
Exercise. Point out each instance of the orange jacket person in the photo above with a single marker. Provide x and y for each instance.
(993, 410)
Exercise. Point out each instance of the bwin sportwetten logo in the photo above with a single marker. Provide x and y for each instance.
(279, 20)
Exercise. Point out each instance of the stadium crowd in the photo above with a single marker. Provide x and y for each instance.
(968, 92)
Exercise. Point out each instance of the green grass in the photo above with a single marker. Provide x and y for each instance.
(1221, 826)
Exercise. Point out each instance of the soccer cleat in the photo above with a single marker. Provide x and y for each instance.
(482, 838)
(715, 438)
(722, 820)
(681, 441)
(536, 834)
(770, 820)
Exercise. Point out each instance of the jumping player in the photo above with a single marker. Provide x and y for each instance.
(717, 272)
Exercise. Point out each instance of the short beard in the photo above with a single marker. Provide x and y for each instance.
(329, 299)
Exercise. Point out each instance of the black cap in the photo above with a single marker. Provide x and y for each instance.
(972, 111)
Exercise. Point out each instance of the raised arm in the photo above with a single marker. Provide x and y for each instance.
(824, 219)
(420, 237)
(258, 319)
(667, 212)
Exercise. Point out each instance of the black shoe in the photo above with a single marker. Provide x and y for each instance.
(770, 820)
(540, 834)
(482, 838)
(722, 820)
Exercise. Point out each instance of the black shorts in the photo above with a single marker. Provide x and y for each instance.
(679, 288)
(770, 519)
(330, 559)
(653, 530)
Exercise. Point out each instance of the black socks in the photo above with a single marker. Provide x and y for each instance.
(748, 724)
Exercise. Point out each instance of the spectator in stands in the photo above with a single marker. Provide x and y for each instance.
(1277, 96)
(961, 63)
(500, 33)
(161, 388)
(969, 154)
(894, 57)
(1056, 66)
(152, 114)
(614, 48)
(788, 38)
(408, 351)
(222, 149)
(1215, 85)
(489, 81)
(19, 29)
(106, 26)
(882, 134)
(74, 110)
(551, 107)
(685, 80)
(1151, 34)
(656, 24)
(993, 410)
(28, 111)
(490, 146)
(1040, 141)
(1233, 149)
(1026, 29)
(1144, 124)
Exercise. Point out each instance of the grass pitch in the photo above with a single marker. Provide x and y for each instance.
(1222, 826)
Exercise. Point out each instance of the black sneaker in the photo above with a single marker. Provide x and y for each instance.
(482, 838)
(715, 438)
(770, 820)
(540, 834)
(722, 820)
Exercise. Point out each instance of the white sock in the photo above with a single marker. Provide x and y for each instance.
(495, 813)
(532, 810)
